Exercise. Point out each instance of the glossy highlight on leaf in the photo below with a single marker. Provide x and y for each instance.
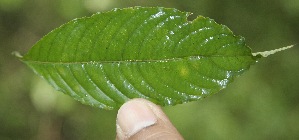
(141, 52)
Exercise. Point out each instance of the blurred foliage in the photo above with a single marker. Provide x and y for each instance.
(261, 104)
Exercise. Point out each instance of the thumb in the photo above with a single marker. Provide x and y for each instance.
(141, 119)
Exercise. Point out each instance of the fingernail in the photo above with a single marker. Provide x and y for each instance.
(135, 116)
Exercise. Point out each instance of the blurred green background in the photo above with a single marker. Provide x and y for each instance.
(261, 104)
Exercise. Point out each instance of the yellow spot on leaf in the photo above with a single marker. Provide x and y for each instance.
(184, 71)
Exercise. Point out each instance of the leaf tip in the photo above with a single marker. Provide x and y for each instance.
(267, 53)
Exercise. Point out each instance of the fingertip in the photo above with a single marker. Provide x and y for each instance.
(142, 119)
(134, 116)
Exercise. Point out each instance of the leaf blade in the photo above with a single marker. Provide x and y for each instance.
(152, 53)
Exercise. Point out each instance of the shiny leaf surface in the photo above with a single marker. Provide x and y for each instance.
(152, 53)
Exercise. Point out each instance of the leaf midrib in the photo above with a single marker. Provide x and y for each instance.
(134, 61)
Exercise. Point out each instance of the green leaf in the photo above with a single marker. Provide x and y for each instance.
(152, 53)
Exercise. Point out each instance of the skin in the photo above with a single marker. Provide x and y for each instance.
(139, 119)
